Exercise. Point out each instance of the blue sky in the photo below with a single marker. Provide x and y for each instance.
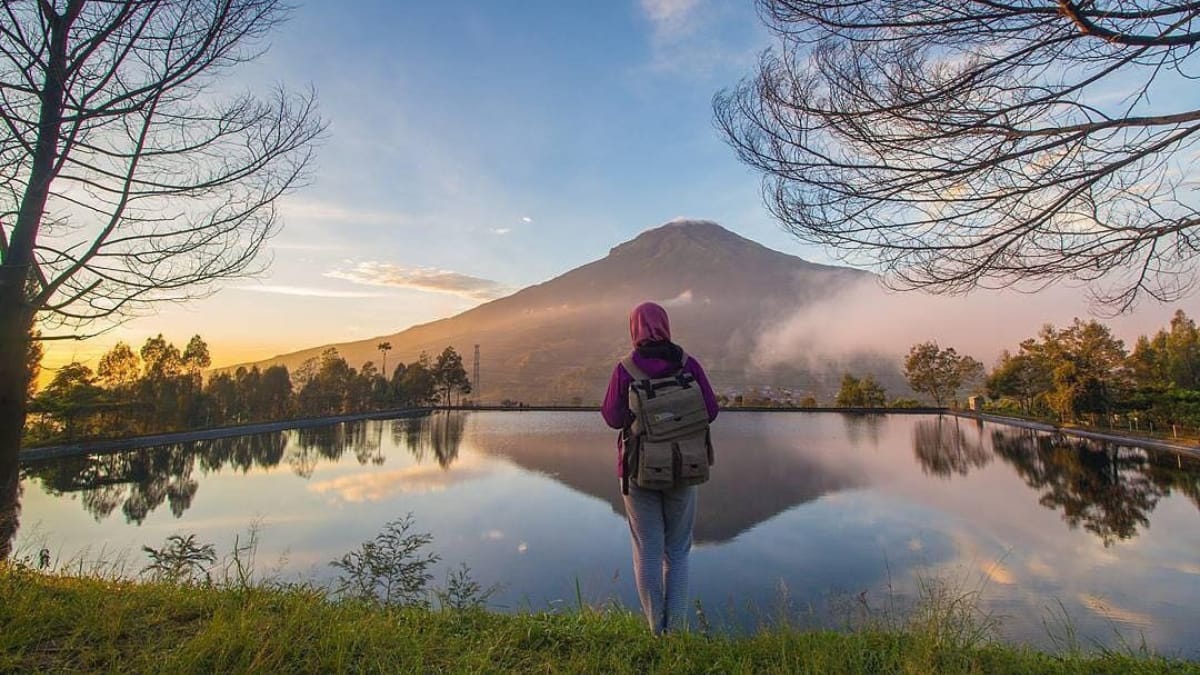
(479, 147)
(475, 148)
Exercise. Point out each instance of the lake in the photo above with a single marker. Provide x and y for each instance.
(823, 517)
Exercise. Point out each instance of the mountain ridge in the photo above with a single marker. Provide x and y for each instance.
(556, 341)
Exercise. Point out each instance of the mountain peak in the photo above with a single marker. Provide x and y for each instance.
(681, 232)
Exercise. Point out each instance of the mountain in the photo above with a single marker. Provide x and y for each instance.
(557, 341)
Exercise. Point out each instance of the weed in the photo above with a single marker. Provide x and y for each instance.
(390, 569)
(180, 560)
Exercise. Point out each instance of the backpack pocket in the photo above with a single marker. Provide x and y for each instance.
(694, 454)
(655, 465)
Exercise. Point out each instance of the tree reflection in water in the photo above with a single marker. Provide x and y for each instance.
(10, 504)
(859, 425)
(1107, 488)
(944, 449)
(140, 481)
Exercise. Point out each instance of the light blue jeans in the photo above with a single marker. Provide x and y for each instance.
(660, 523)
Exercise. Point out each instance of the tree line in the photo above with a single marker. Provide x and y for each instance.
(1080, 373)
(160, 388)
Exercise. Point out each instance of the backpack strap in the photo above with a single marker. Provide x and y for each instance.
(630, 367)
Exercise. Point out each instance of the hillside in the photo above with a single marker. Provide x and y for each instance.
(557, 341)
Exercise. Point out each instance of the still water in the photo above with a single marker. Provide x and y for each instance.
(822, 517)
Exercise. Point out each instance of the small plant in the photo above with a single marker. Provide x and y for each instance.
(390, 569)
(463, 592)
(180, 560)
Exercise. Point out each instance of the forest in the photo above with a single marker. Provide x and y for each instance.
(159, 389)
(1078, 374)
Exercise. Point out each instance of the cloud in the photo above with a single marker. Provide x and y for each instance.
(417, 479)
(300, 208)
(526, 219)
(684, 298)
(671, 18)
(866, 318)
(701, 38)
(374, 273)
(308, 291)
(501, 230)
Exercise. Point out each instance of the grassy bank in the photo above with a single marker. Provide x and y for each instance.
(61, 623)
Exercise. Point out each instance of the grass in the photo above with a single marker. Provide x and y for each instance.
(62, 623)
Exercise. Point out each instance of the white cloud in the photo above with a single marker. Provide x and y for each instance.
(684, 298)
(383, 485)
(867, 318)
(671, 18)
(501, 230)
(526, 219)
(374, 273)
(301, 208)
(699, 38)
(307, 291)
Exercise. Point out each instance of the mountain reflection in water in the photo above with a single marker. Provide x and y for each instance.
(1108, 489)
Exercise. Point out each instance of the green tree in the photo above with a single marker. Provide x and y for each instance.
(1164, 370)
(449, 375)
(329, 390)
(72, 398)
(938, 372)
(418, 383)
(127, 178)
(165, 392)
(276, 393)
(119, 368)
(221, 398)
(160, 358)
(860, 393)
(195, 356)
(1023, 377)
(1087, 368)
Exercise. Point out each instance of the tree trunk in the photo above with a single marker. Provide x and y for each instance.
(16, 312)
(14, 378)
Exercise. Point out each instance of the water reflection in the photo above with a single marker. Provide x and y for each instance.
(1107, 488)
(10, 505)
(945, 449)
(758, 474)
(823, 503)
(140, 481)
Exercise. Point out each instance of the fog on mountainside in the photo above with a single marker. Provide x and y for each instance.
(866, 318)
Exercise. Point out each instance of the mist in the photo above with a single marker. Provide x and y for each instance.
(867, 318)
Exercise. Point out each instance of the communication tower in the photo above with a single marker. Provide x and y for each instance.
(475, 375)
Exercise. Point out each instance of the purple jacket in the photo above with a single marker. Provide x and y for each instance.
(616, 410)
(648, 324)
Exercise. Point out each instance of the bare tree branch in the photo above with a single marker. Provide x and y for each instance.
(954, 144)
(156, 187)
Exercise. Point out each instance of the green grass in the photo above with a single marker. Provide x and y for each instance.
(62, 623)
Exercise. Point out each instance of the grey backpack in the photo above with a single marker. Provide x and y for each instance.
(668, 444)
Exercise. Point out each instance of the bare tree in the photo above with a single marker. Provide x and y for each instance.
(124, 177)
(956, 144)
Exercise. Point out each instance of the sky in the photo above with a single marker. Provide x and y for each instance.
(475, 148)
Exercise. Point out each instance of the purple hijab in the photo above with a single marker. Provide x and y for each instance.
(648, 325)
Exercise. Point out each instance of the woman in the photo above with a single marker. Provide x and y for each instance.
(660, 521)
